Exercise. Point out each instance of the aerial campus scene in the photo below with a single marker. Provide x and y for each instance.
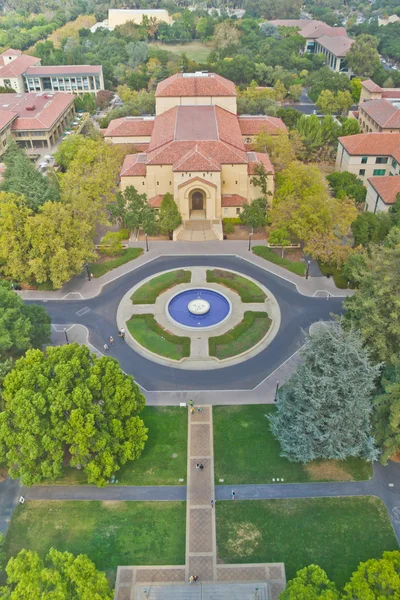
(200, 300)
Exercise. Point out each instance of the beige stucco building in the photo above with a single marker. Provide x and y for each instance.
(369, 155)
(120, 16)
(382, 193)
(195, 149)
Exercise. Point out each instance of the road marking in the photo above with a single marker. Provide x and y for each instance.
(61, 328)
(73, 294)
(83, 311)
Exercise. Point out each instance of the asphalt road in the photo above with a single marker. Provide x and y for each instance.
(298, 312)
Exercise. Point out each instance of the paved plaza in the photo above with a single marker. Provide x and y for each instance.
(263, 581)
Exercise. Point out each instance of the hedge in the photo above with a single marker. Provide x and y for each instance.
(294, 266)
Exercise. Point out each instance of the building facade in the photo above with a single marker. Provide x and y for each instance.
(382, 193)
(194, 151)
(379, 116)
(369, 155)
(120, 16)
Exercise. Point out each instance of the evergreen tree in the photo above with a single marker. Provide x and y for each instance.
(386, 419)
(169, 217)
(324, 409)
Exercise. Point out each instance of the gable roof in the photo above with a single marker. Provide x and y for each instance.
(195, 160)
(252, 125)
(339, 46)
(130, 127)
(232, 200)
(256, 158)
(35, 111)
(11, 52)
(372, 144)
(17, 67)
(383, 112)
(371, 86)
(6, 117)
(195, 84)
(134, 165)
(387, 187)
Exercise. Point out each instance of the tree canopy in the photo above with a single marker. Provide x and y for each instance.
(375, 578)
(310, 583)
(324, 410)
(60, 575)
(254, 215)
(69, 404)
(132, 211)
(169, 217)
(363, 57)
(348, 185)
(387, 412)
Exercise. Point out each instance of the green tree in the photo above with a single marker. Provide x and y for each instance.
(254, 215)
(375, 578)
(68, 402)
(318, 136)
(22, 326)
(169, 217)
(371, 228)
(69, 148)
(355, 267)
(61, 575)
(348, 185)
(326, 102)
(260, 179)
(111, 244)
(324, 410)
(350, 126)
(310, 583)
(386, 419)
(363, 57)
(21, 177)
(375, 308)
(225, 34)
(279, 237)
(86, 102)
(14, 244)
(132, 211)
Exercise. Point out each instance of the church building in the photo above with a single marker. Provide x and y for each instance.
(196, 147)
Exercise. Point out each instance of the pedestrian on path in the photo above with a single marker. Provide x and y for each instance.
(212, 503)
(111, 340)
(191, 410)
(195, 577)
(191, 403)
(199, 409)
(201, 467)
(233, 494)
(105, 347)
(197, 466)
(191, 579)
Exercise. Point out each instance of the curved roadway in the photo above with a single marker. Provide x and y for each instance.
(298, 312)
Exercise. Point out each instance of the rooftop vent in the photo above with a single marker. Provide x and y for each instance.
(196, 74)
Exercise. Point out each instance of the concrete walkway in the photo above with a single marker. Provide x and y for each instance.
(81, 288)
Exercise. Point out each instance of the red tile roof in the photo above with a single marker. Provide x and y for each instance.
(17, 67)
(6, 117)
(372, 87)
(35, 111)
(383, 112)
(195, 84)
(194, 160)
(256, 158)
(391, 93)
(134, 165)
(155, 202)
(339, 46)
(50, 70)
(387, 187)
(252, 125)
(311, 28)
(11, 52)
(232, 200)
(372, 144)
(130, 127)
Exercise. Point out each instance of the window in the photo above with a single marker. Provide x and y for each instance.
(364, 160)
(223, 183)
(226, 212)
(158, 183)
(394, 163)
(238, 211)
(379, 172)
(381, 160)
(361, 172)
(235, 182)
(142, 182)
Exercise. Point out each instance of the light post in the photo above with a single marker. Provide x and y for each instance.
(250, 234)
(147, 243)
(66, 335)
(308, 268)
(276, 392)
(88, 272)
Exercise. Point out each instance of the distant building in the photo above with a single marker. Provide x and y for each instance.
(13, 65)
(381, 193)
(373, 91)
(120, 16)
(369, 155)
(321, 38)
(388, 20)
(379, 116)
(34, 120)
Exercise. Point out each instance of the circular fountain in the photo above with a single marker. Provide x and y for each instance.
(199, 308)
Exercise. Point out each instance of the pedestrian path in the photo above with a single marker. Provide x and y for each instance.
(215, 579)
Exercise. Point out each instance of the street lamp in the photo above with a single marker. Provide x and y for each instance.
(250, 234)
(66, 335)
(147, 243)
(276, 392)
(308, 268)
(88, 272)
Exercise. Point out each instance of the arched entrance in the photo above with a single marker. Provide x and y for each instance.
(197, 200)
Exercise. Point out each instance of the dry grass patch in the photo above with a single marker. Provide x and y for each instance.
(112, 504)
(327, 469)
(245, 538)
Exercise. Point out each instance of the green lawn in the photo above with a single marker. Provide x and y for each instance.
(247, 290)
(110, 533)
(149, 334)
(334, 533)
(194, 50)
(245, 451)
(242, 337)
(157, 464)
(294, 266)
(148, 293)
(101, 268)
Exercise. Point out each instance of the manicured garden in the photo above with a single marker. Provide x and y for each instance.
(110, 533)
(245, 451)
(247, 290)
(148, 293)
(101, 268)
(149, 334)
(334, 533)
(244, 336)
(297, 267)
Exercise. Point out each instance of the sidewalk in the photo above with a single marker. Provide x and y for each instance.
(80, 288)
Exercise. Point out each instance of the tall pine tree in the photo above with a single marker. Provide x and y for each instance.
(324, 410)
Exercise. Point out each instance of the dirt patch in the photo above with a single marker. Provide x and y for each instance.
(395, 457)
(242, 233)
(245, 539)
(327, 469)
(112, 504)
(3, 473)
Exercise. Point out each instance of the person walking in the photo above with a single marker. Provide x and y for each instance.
(197, 466)
(201, 467)
(191, 579)
(111, 340)
(212, 503)
(105, 347)
(195, 578)
(233, 494)
(191, 403)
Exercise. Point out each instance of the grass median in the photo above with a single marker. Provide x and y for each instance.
(148, 292)
(334, 533)
(101, 268)
(247, 290)
(149, 334)
(245, 451)
(244, 336)
(110, 533)
(299, 268)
